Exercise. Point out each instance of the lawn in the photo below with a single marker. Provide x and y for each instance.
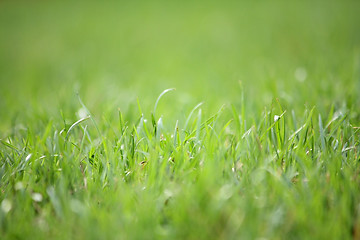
(179, 120)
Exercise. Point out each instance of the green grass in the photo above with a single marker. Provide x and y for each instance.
(256, 137)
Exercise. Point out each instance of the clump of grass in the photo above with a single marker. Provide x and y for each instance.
(213, 176)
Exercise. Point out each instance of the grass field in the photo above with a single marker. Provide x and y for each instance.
(179, 120)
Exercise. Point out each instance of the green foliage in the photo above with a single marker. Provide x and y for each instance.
(93, 147)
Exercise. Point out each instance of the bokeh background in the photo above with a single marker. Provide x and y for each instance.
(304, 53)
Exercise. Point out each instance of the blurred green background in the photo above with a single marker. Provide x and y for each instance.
(302, 52)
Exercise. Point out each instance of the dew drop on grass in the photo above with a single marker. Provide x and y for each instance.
(37, 197)
(19, 186)
(6, 205)
(82, 113)
(276, 118)
(28, 157)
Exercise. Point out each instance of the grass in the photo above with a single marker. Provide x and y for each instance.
(160, 120)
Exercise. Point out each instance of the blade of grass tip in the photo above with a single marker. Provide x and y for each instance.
(198, 126)
(243, 127)
(138, 121)
(95, 124)
(159, 128)
(237, 120)
(247, 133)
(225, 126)
(331, 114)
(213, 118)
(176, 132)
(82, 141)
(295, 123)
(139, 107)
(322, 133)
(74, 125)
(312, 141)
(160, 96)
(269, 114)
(274, 141)
(262, 125)
(153, 122)
(147, 134)
(47, 131)
(282, 139)
(302, 139)
(139, 124)
(294, 119)
(335, 117)
(90, 115)
(296, 133)
(10, 146)
(121, 122)
(191, 113)
(55, 141)
(63, 118)
(278, 134)
(132, 145)
(284, 130)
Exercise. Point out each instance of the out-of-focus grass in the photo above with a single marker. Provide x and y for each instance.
(116, 51)
(234, 174)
